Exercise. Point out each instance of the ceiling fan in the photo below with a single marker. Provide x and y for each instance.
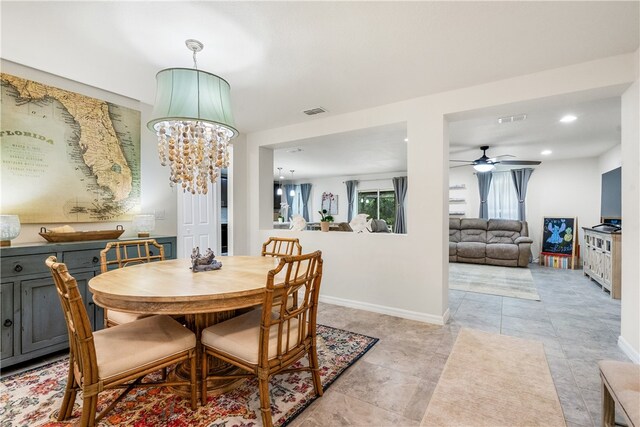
(486, 164)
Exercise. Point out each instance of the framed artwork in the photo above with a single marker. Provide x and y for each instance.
(330, 203)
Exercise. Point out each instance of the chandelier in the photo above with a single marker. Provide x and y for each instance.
(192, 119)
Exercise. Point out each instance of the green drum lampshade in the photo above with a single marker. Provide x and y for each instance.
(187, 94)
(193, 122)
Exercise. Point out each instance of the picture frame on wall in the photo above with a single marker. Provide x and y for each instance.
(330, 203)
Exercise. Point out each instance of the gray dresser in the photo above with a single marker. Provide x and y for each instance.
(30, 315)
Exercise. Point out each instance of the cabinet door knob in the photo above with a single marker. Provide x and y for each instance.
(96, 259)
(17, 268)
(8, 323)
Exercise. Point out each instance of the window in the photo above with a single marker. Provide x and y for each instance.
(378, 204)
(502, 200)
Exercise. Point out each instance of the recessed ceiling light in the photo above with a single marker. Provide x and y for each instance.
(406, 140)
(546, 152)
(568, 118)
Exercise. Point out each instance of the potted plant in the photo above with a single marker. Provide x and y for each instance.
(280, 218)
(325, 220)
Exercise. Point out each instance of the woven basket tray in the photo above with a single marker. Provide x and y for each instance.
(79, 236)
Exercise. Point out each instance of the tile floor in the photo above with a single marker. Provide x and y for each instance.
(392, 384)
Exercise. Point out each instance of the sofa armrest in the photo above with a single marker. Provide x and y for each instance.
(524, 250)
(523, 240)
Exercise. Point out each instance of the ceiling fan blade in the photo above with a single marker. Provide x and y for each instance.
(460, 166)
(464, 161)
(519, 162)
(501, 156)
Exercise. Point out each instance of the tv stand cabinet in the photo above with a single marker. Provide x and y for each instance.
(602, 260)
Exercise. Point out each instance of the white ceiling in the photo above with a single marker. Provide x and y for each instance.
(596, 130)
(285, 57)
(375, 150)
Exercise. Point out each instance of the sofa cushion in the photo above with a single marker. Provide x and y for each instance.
(502, 236)
(454, 223)
(502, 251)
(473, 235)
(504, 224)
(471, 249)
(473, 223)
(379, 226)
(454, 235)
(452, 248)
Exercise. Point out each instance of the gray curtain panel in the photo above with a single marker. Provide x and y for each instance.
(400, 190)
(484, 183)
(305, 191)
(351, 197)
(287, 190)
(520, 181)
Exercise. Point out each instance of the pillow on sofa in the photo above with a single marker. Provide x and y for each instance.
(379, 226)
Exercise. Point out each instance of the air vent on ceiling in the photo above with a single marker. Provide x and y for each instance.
(314, 111)
(511, 119)
(294, 150)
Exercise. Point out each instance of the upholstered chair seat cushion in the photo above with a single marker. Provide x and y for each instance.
(120, 317)
(128, 347)
(623, 380)
(502, 251)
(240, 336)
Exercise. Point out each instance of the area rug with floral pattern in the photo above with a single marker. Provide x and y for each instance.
(32, 398)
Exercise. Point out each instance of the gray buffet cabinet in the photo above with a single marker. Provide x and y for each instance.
(30, 315)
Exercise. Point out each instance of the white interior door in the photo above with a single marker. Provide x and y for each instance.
(198, 221)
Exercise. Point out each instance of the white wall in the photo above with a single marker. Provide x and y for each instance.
(415, 265)
(565, 188)
(610, 159)
(238, 183)
(630, 330)
(155, 191)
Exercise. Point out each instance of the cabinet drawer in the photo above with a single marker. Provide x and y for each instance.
(82, 259)
(24, 264)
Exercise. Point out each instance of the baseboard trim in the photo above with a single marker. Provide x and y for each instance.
(391, 311)
(628, 350)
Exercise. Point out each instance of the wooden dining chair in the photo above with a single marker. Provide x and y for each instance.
(118, 357)
(120, 254)
(270, 340)
(281, 246)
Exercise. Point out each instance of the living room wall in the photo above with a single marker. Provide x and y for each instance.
(155, 191)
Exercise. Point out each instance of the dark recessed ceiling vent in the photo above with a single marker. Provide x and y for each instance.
(314, 111)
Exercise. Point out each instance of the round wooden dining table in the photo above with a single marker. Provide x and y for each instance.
(204, 298)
